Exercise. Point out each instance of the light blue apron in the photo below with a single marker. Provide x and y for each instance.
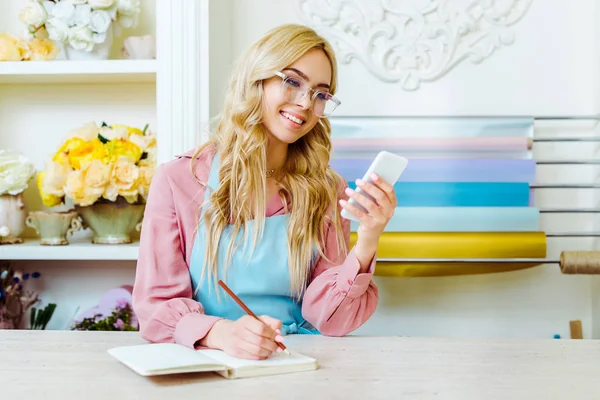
(260, 278)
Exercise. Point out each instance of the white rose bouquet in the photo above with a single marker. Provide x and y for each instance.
(81, 24)
(15, 172)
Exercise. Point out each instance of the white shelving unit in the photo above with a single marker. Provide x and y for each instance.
(111, 87)
(78, 249)
(105, 71)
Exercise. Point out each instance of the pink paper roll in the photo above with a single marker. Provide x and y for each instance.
(460, 144)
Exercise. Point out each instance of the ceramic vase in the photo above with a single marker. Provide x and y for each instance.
(101, 51)
(13, 213)
(53, 227)
(111, 222)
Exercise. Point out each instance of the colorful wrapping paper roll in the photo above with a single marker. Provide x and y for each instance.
(468, 155)
(461, 194)
(447, 170)
(431, 127)
(462, 219)
(460, 244)
(410, 270)
(434, 144)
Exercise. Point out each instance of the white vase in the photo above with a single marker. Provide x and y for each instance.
(13, 213)
(101, 51)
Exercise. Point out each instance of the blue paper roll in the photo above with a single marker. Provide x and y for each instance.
(447, 170)
(462, 219)
(460, 194)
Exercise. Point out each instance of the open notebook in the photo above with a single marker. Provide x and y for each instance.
(170, 358)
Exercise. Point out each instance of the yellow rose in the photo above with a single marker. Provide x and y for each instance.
(86, 152)
(146, 174)
(111, 192)
(125, 176)
(76, 190)
(130, 130)
(55, 178)
(49, 200)
(123, 148)
(62, 154)
(42, 50)
(96, 176)
(144, 142)
(12, 48)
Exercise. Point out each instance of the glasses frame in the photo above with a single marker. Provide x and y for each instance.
(315, 93)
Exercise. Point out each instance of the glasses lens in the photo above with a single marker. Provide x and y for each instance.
(328, 107)
(292, 89)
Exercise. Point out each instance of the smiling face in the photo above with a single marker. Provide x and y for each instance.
(287, 121)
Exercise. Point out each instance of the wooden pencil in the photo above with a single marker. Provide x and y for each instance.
(248, 311)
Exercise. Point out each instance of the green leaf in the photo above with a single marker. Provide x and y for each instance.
(102, 139)
(145, 129)
(32, 318)
(104, 124)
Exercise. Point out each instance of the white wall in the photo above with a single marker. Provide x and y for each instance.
(550, 69)
(546, 71)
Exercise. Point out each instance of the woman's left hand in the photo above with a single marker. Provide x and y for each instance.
(380, 208)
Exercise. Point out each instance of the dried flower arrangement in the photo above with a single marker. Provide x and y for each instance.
(15, 300)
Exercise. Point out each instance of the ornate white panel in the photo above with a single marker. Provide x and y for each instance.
(413, 41)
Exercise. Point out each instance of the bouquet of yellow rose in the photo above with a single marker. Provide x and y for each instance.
(100, 162)
(13, 48)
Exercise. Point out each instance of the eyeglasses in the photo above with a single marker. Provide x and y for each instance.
(294, 90)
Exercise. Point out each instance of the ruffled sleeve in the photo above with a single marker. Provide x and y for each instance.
(162, 295)
(339, 299)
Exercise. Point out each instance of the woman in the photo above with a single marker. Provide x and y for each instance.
(261, 207)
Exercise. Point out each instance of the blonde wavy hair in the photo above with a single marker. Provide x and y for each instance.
(240, 139)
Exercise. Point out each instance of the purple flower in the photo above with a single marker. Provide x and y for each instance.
(119, 324)
(121, 303)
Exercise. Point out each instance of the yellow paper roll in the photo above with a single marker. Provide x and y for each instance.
(410, 270)
(460, 244)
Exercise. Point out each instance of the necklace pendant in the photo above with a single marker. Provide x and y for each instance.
(270, 173)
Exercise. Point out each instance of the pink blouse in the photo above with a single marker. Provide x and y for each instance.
(337, 301)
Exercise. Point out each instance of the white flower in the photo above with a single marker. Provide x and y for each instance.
(33, 14)
(57, 29)
(114, 133)
(101, 3)
(128, 7)
(48, 5)
(128, 12)
(80, 38)
(65, 11)
(83, 14)
(15, 172)
(100, 21)
(88, 132)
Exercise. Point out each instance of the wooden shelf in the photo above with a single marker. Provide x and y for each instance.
(77, 249)
(105, 71)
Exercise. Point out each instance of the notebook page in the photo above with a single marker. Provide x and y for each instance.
(148, 358)
(275, 360)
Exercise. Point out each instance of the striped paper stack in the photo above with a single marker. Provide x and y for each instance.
(465, 193)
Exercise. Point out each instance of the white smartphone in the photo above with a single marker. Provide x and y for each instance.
(388, 166)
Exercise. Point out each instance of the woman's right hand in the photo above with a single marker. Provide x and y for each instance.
(246, 337)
